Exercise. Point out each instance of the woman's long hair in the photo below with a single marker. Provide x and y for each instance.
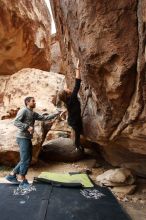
(62, 95)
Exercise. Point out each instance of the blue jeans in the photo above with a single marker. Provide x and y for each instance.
(25, 146)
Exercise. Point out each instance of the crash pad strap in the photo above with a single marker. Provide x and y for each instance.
(44, 203)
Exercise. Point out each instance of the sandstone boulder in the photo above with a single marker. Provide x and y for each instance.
(24, 35)
(32, 82)
(9, 150)
(60, 149)
(60, 128)
(109, 38)
(124, 190)
(3, 83)
(116, 177)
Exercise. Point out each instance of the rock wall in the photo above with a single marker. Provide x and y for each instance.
(109, 38)
(32, 82)
(9, 150)
(56, 57)
(24, 35)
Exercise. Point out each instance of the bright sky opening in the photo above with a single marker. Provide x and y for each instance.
(53, 28)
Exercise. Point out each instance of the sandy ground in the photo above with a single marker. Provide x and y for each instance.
(135, 205)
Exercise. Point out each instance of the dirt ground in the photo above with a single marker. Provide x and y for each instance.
(135, 205)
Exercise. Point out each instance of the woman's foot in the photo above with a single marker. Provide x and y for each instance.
(79, 149)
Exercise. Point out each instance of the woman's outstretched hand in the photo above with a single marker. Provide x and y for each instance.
(78, 76)
(78, 64)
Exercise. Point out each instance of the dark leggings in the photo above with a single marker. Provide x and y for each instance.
(77, 131)
(77, 138)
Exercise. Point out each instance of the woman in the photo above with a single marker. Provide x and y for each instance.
(72, 103)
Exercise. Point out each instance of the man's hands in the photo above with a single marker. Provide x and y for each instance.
(31, 130)
(78, 64)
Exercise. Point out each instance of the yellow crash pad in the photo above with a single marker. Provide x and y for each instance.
(81, 178)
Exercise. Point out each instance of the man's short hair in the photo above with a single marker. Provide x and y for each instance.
(27, 99)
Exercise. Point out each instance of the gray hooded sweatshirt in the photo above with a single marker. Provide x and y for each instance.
(26, 118)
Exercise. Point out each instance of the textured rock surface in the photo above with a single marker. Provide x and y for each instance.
(124, 190)
(60, 128)
(3, 83)
(24, 35)
(32, 82)
(56, 59)
(109, 39)
(8, 147)
(117, 177)
(60, 149)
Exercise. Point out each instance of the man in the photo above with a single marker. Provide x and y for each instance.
(24, 121)
(72, 103)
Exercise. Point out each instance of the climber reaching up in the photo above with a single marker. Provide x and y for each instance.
(72, 103)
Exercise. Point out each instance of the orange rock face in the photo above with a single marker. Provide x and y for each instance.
(31, 82)
(56, 59)
(109, 38)
(24, 35)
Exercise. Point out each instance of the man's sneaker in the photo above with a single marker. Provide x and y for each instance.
(24, 184)
(12, 179)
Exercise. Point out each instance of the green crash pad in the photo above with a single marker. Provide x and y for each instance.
(81, 179)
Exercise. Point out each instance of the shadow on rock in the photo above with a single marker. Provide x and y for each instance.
(60, 149)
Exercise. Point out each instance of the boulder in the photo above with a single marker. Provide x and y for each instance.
(9, 150)
(32, 82)
(124, 190)
(112, 55)
(60, 149)
(24, 35)
(116, 177)
(3, 83)
(60, 128)
(121, 156)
